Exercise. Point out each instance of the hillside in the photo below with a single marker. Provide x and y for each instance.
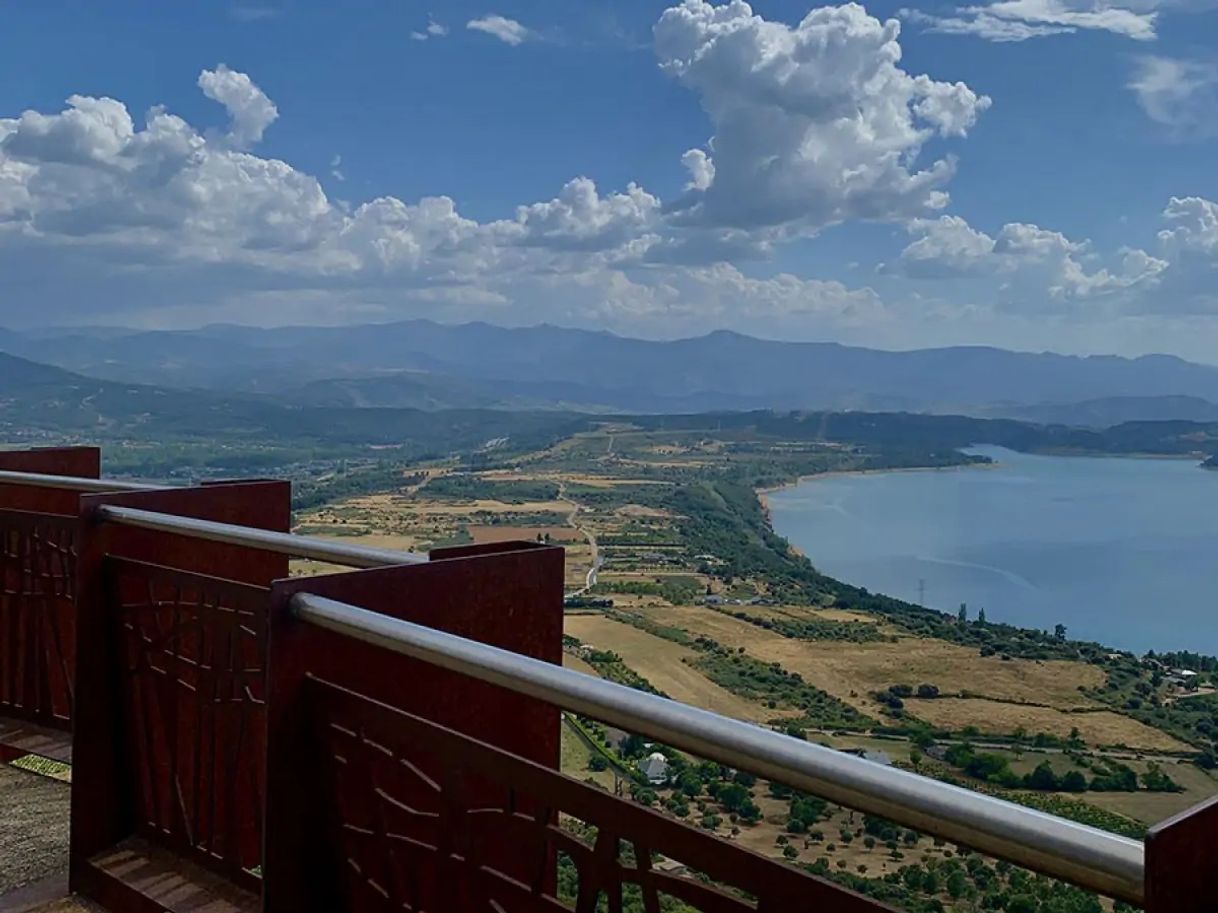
(419, 363)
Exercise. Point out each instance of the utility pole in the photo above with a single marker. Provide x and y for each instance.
(922, 592)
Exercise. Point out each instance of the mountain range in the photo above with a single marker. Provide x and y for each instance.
(424, 365)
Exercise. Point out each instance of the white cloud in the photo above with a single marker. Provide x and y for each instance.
(159, 218)
(1179, 94)
(247, 105)
(814, 124)
(977, 21)
(580, 218)
(701, 169)
(1194, 227)
(434, 30)
(1019, 20)
(336, 168)
(509, 31)
(1026, 257)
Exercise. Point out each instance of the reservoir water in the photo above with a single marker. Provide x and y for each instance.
(1123, 551)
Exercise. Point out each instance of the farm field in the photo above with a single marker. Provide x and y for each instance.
(662, 663)
(654, 542)
(1099, 727)
(851, 671)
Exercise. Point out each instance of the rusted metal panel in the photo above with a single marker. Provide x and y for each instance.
(37, 617)
(509, 596)
(107, 802)
(1182, 862)
(398, 790)
(82, 462)
(194, 711)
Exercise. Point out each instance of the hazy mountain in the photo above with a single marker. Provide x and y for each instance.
(430, 365)
(1113, 410)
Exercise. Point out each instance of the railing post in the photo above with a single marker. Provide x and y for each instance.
(508, 595)
(1182, 862)
(103, 805)
(37, 643)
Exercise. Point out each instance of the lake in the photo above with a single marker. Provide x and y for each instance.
(1123, 551)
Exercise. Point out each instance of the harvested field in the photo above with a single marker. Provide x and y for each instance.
(661, 663)
(481, 534)
(570, 661)
(851, 671)
(1152, 808)
(1101, 727)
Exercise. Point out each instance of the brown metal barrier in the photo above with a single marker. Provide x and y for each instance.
(38, 543)
(172, 756)
(395, 785)
(168, 746)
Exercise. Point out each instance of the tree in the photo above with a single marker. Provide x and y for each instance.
(1059, 631)
(981, 616)
(956, 884)
(962, 615)
(1074, 782)
(597, 762)
(1042, 778)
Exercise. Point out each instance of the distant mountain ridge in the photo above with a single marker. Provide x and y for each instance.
(427, 365)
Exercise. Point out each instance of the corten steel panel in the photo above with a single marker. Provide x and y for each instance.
(509, 596)
(389, 833)
(82, 462)
(1182, 862)
(193, 712)
(103, 804)
(37, 617)
(37, 571)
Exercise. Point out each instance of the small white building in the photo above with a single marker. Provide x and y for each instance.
(655, 769)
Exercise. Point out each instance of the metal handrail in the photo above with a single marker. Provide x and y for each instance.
(1088, 857)
(281, 543)
(73, 483)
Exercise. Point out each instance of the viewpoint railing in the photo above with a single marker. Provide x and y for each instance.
(388, 738)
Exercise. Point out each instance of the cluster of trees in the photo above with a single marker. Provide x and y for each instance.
(351, 483)
(1136, 691)
(677, 589)
(893, 697)
(983, 885)
(1108, 775)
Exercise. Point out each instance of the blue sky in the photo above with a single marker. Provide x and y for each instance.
(651, 168)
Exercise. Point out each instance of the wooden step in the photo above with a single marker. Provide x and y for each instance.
(139, 877)
(18, 738)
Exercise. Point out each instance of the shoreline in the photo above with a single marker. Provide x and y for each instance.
(835, 473)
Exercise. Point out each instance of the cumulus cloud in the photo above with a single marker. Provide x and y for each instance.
(144, 211)
(509, 31)
(814, 123)
(1019, 20)
(434, 30)
(700, 167)
(1194, 226)
(948, 247)
(1182, 95)
(247, 105)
